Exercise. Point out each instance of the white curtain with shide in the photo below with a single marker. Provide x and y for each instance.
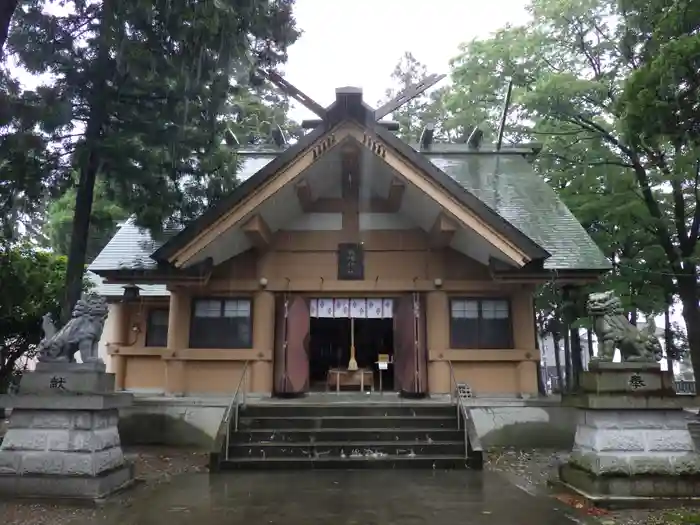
(354, 307)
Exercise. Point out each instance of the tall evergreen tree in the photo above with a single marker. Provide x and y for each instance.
(147, 87)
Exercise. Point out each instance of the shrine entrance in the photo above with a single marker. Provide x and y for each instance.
(350, 344)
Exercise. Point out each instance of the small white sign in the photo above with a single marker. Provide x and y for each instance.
(383, 366)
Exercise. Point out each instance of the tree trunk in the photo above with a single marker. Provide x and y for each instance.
(576, 359)
(567, 357)
(668, 336)
(633, 317)
(541, 386)
(688, 291)
(557, 360)
(7, 9)
(89, 167)
(570, 298)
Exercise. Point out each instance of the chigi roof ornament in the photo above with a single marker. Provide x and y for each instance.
(348, 102)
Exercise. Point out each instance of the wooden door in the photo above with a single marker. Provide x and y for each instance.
(292, 325)
(410, 352)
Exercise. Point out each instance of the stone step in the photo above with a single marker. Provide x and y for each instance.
(324, 410)
(383, 435)
(347, 422)
(694, 428)
(378, 462)
(338, 449)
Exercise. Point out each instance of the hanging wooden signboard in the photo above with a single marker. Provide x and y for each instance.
(351, 263)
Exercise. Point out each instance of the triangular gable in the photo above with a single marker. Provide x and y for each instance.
(242, 202)
(239, 194)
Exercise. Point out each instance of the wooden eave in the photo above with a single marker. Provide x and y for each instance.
(163, 274)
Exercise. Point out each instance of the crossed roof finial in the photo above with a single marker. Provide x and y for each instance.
(395, 103)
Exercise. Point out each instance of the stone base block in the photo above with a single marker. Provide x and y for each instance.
(62, 453)
(627, 378)
(88, 488)
(58, 402)
(607, 441)
(630, 401)
(633, 454)
(60, 366)
(66, 382)
(632, 489)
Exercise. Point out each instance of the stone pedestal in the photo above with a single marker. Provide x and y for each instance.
(632, 439)
(62, 440)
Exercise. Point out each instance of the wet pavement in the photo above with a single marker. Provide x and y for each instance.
(341, 498)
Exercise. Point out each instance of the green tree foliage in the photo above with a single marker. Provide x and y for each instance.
(408, 71)
(31, 287)
(143, 94)
(106, 214)
(570, 67)
(27, 164)
(423, 109)
(660, 129)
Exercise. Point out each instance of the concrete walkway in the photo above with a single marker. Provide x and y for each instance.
(342, 498)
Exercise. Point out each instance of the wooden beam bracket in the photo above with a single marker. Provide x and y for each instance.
(442, 232)
(258, 232)
(303, 189)
(396, 193)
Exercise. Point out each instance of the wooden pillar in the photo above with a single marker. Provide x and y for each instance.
(260, 371)
(121, 325)
(437, 314)
(178, 338)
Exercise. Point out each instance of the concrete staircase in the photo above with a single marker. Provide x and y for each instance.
(347, 436)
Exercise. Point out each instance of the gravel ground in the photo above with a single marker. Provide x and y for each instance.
(531, 470)
(153, 466)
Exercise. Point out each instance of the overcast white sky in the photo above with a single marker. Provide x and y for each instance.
(358, 42)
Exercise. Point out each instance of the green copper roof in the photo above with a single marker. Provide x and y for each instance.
(509, 186)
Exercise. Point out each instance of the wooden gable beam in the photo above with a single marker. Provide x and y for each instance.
(295, 93)
(303, 189)
(442, 232)
(258, 232)
(396, 191)
(407, 95)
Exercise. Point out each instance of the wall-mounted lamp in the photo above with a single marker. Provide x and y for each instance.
(437, 282)
(263, 282)
(131, 293)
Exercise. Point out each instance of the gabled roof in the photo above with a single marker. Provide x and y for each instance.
(349, 106)
(509, 185)
(500, 187)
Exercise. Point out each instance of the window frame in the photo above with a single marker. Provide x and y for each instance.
(244, 345)
(149, 324)
(480, 319)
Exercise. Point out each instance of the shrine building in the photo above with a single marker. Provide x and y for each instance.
(350, 259)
